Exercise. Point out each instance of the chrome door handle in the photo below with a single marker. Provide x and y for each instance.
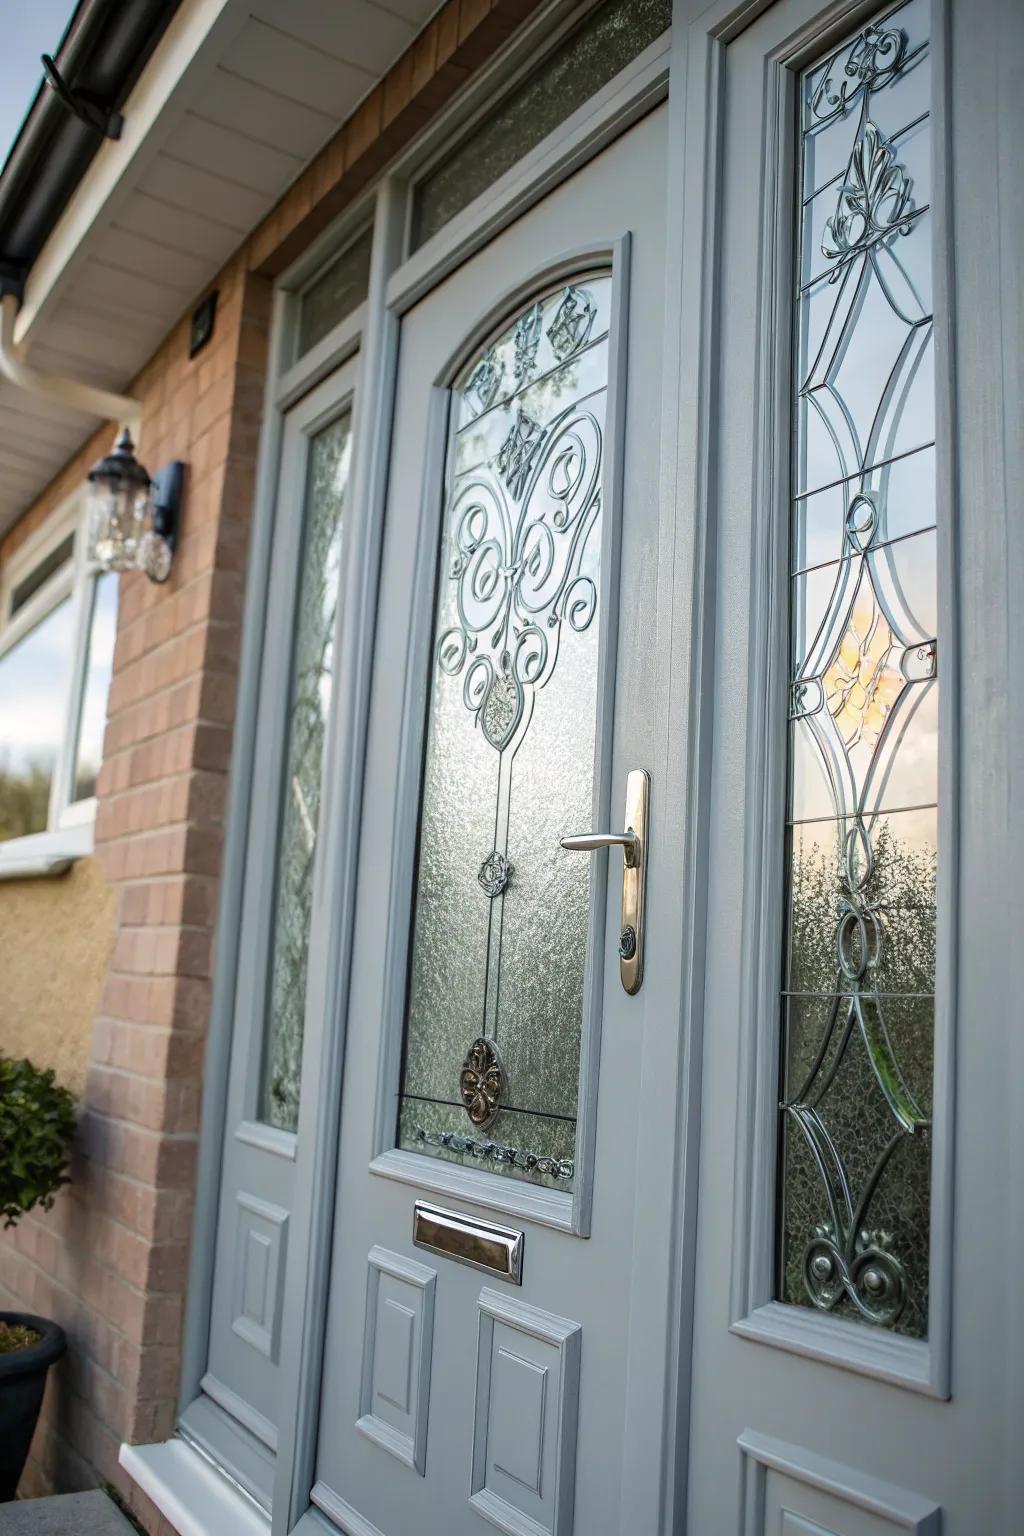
(633, 843)
(589, 842)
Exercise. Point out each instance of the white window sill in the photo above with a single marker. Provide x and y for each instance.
(190, 1492)
(45, 853)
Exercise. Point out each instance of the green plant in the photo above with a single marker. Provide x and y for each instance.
(16, 1336)
(37, 1127)
(24, 798)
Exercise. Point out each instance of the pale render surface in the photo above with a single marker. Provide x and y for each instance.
(56, 937)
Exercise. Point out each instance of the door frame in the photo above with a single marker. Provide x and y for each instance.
(655, 1467)
(653, 1464)
(396, 283)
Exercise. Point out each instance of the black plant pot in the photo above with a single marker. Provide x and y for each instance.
(22, 1379)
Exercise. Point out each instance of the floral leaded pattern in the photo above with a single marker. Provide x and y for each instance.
(510, 750)
(520, 534)
(860, 971)
(873, 200)
(865, 677)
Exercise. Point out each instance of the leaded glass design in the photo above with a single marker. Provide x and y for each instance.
(308, 710)
(859, 971)
(496, 982)
(612, 36)
(335, 293)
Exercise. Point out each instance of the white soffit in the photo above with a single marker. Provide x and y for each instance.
(238, 97)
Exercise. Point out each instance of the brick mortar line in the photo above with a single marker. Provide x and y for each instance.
(184, 1137)
(79, 1301)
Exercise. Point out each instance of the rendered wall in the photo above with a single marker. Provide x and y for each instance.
(56, 937)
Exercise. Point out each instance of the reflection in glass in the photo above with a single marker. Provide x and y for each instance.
(40, 574)
(308, 709)
(34, 680)
(500, 927)
(99, 661)
(335, 294)
(862, 853)
(608, 39)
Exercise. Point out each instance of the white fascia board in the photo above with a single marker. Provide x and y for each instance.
(181, 66)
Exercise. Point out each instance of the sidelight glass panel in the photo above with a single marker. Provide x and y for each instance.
(609, 38)
(308, 711)
(862, 847)
(496, 983)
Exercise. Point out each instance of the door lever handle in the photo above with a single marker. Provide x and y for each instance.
(590, 842)
(633, 843)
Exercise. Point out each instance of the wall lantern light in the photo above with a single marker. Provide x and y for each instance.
(133, 520)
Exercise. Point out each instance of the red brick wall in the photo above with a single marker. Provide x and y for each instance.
(110, 1261)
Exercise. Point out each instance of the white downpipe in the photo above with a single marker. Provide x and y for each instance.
(123, 409)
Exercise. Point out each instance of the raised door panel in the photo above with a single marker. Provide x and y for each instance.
(527, 1402)
(398, 1343)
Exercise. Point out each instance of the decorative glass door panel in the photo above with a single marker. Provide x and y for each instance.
(860, 957)
(309, 707)
(492, 1052)
(496, 989)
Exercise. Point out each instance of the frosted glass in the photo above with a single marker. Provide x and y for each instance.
(499, 941)
(862, 845)
(309, 704)
(609, 39)
(335, 293)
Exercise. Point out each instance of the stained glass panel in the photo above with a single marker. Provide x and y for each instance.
(312, 671)
(495, 1003)
(859, 973)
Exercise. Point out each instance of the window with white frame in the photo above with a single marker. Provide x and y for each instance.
(58, 619)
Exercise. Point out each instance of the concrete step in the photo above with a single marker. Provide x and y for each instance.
(69, 1514)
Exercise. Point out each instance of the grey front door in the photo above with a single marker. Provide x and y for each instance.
(493, 1063)
(856, 1318)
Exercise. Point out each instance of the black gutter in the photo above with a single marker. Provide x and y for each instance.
(103, 52)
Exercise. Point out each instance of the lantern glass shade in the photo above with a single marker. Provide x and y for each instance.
(117, 522)
(119, 511)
